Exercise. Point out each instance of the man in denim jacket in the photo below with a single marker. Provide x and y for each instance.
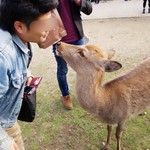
(21, 22)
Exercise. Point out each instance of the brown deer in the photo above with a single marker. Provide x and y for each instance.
(115, 101)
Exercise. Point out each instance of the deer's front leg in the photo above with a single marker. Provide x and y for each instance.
(119, 130)
(109, 129)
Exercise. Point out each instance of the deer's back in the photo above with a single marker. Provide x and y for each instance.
(131, 92)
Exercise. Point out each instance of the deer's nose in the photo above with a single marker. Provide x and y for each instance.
(58, 43)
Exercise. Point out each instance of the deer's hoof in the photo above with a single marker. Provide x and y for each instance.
(105, 148)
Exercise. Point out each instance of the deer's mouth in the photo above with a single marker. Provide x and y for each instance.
(58, 52)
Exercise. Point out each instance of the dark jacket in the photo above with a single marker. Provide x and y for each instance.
(86, 8)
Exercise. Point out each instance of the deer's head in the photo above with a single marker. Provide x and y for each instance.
(87, 58)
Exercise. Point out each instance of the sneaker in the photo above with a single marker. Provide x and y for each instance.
(143, 10)
(143, 113)
(67, 103)
(97, 1)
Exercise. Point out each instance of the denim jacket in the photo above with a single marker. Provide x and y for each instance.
(13, 73)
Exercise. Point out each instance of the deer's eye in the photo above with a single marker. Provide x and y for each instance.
(81, 53)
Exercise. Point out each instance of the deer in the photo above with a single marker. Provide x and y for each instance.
(114, 101)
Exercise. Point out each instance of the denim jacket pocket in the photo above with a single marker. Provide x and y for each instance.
(17, 79)
(10, 102)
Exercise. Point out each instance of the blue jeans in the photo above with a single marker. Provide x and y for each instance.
(62, 69)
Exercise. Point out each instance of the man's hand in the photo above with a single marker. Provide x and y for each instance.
(29, 79)
(78, 2)
(14, 147)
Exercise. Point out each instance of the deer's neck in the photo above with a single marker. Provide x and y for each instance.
(89, 92)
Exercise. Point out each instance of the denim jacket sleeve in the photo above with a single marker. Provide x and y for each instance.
(5, 141)
(4, 79)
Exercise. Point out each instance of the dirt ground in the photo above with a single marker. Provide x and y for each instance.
(129, 37)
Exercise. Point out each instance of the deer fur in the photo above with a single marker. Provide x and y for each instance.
(115, 101)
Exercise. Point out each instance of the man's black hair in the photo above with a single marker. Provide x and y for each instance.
(25, 11)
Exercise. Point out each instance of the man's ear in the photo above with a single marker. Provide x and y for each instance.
(110, 66)
(20, 27)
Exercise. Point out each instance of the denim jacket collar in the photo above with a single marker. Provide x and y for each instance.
(4, 39)
(20, 44)
(7, 37)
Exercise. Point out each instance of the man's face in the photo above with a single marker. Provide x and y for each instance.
(37, 31)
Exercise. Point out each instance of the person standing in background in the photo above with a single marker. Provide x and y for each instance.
(21, 22)
(144, 5)
(70, 13)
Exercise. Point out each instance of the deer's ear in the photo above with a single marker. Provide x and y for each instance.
(110, 66)
(111, 53)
